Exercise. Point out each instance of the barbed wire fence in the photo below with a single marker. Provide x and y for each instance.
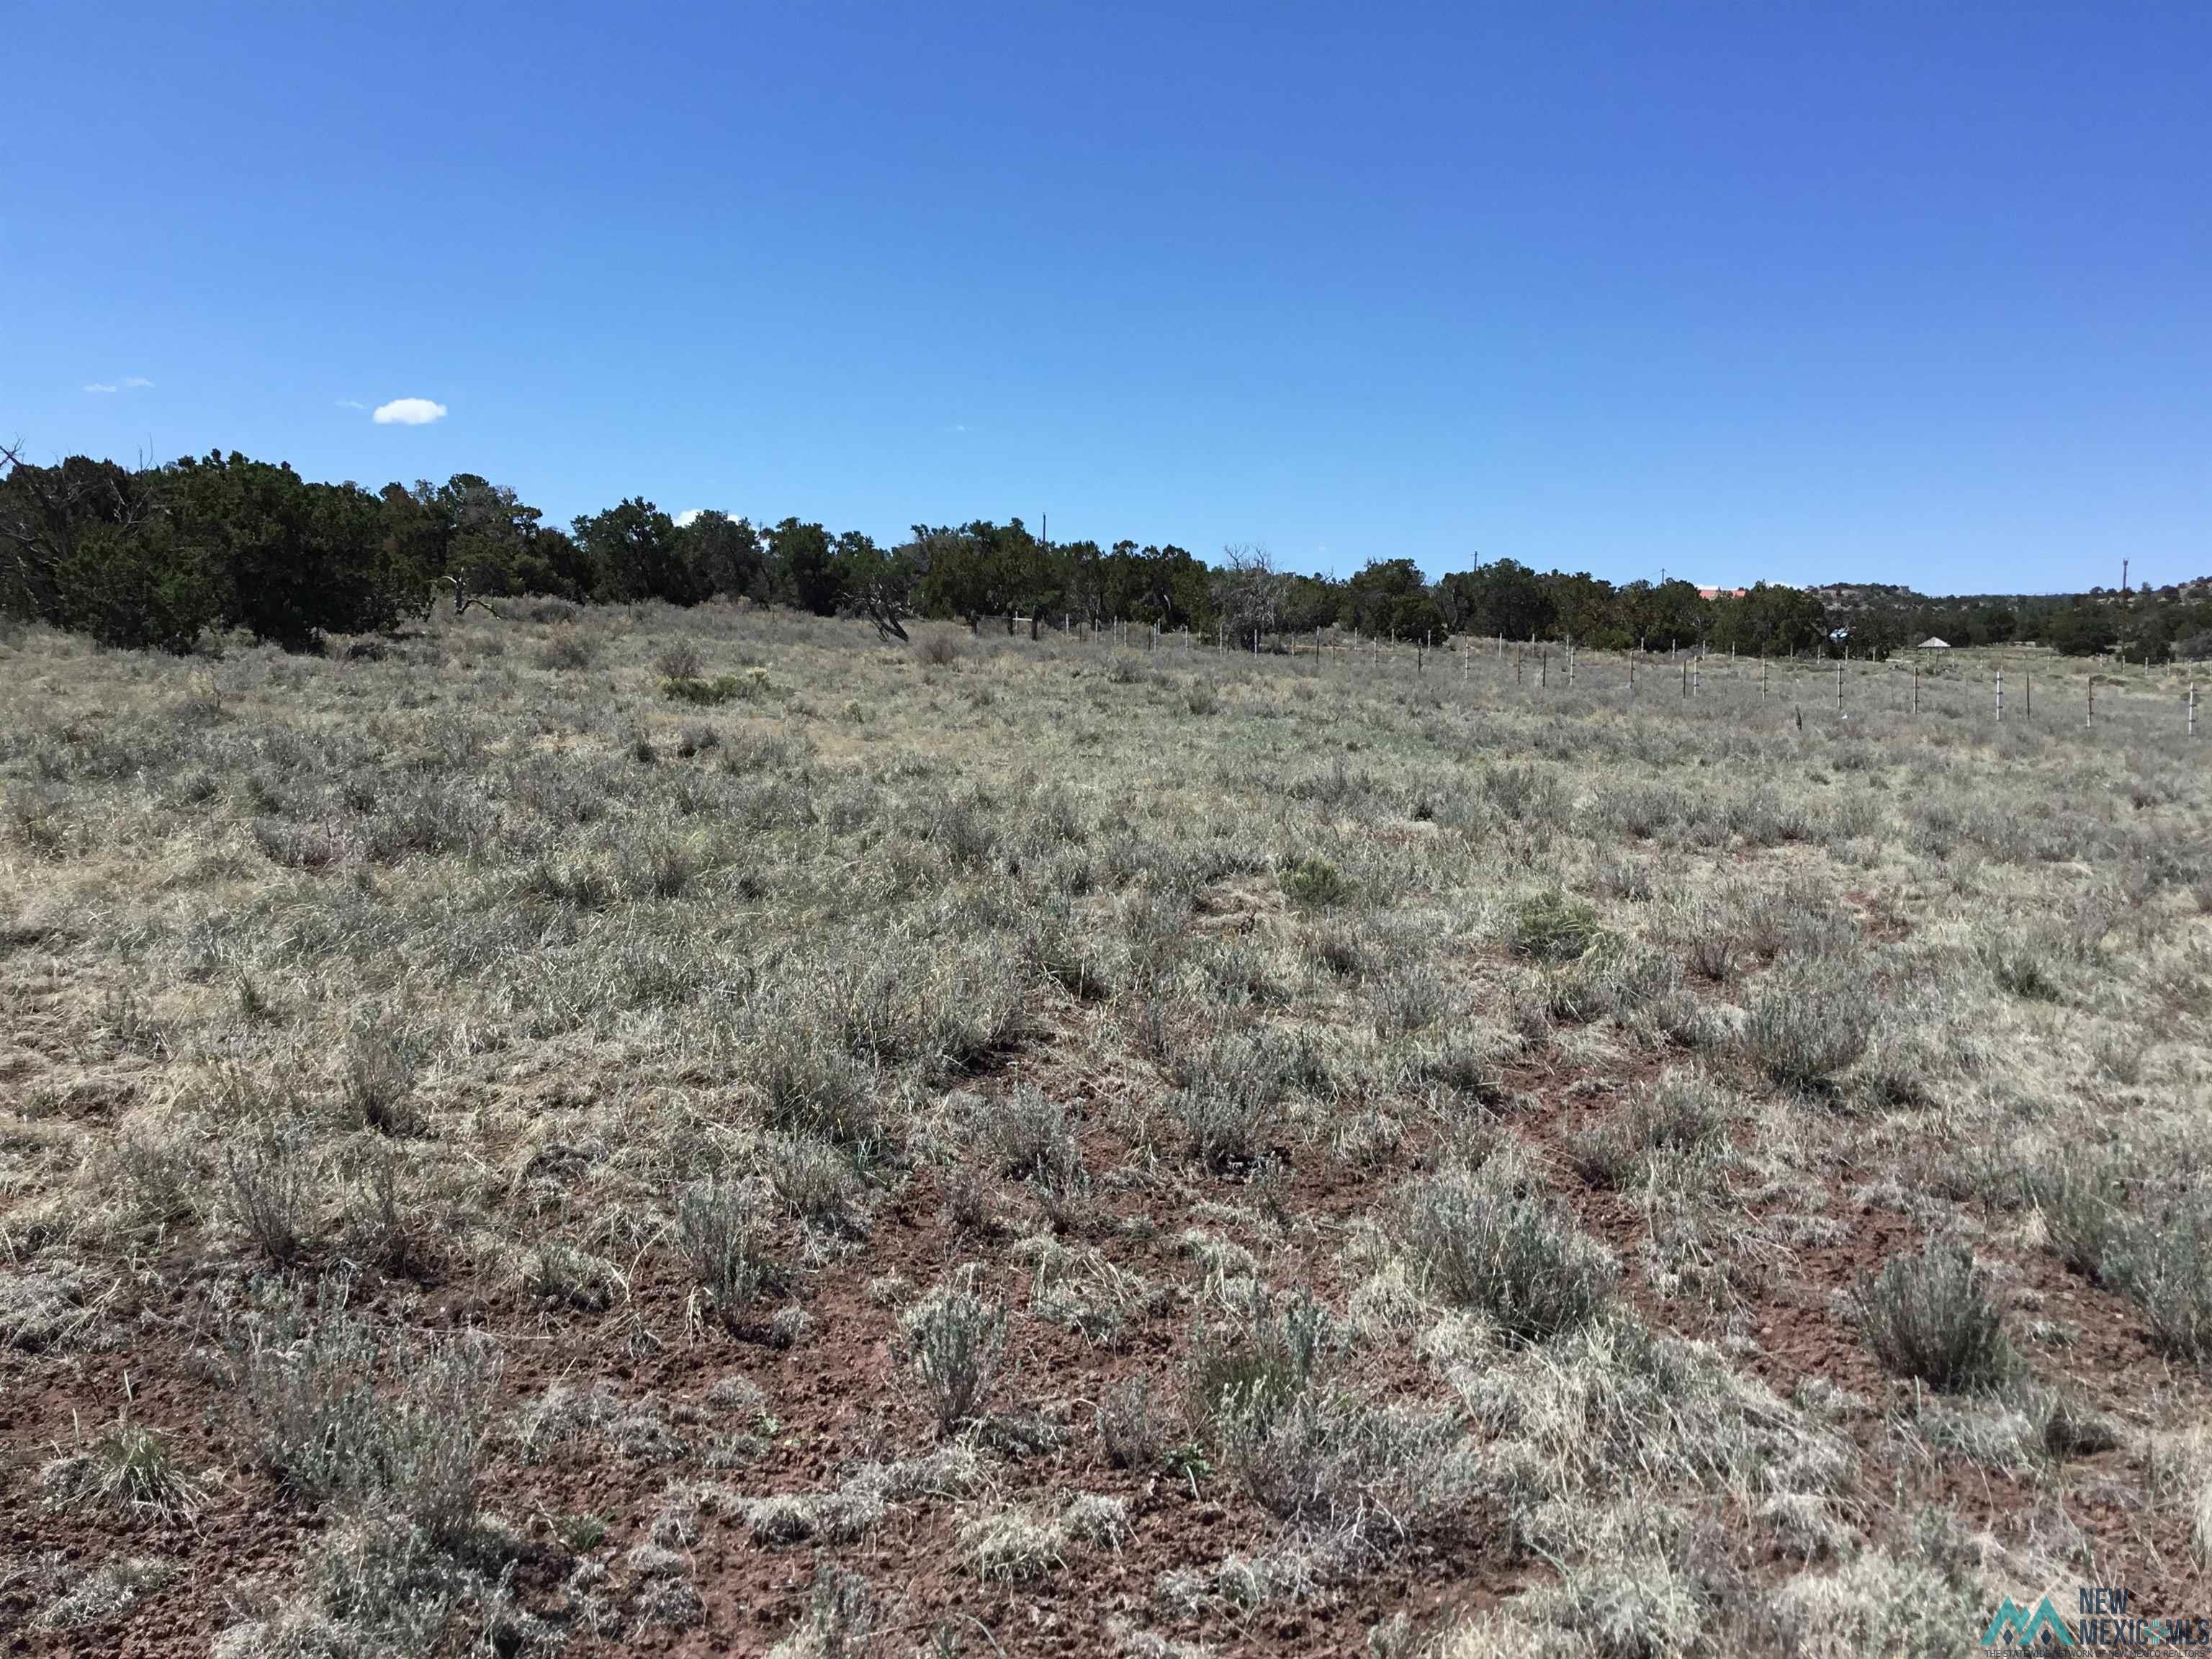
(2083, 694)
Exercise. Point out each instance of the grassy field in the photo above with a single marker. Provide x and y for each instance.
(701, 1132)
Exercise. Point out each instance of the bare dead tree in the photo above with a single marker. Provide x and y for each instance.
(1248, 592)
(463, 597)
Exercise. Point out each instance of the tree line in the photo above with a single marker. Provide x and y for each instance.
(154, 556)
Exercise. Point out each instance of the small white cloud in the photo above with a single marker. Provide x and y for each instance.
(408, 411)
(351, 403)
(689, 517)
(97, 387)
(136, 383)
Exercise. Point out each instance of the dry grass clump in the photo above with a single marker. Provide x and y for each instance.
(1683, 1119)
(127, 1467)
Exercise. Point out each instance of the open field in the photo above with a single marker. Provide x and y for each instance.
(699, 1131)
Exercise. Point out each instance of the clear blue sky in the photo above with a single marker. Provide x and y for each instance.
(1901, 292)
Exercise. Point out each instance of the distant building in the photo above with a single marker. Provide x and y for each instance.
(1933, 643)
(1722, 593)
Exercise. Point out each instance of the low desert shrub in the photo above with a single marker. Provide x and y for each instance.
(954, 1341)
(1480, 1239)
(1807, 1025)
(1553, 926)
(727, 1238)
(569, 648)
(1931, 1317)
(342, 1411)
(1315, 883)
(1128, 1424)
(273, 1194)
(678, 660)
(938, 651)
(1029, 1138)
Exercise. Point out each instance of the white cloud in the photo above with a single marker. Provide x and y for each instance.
(136, 383)
(351, 403)
(97, 387)
(408, 411)
(691, 515)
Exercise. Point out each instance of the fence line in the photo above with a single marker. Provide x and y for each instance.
(1918, 692)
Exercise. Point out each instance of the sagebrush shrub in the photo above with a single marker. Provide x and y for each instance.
(324, 1425)
(1931, 1316)
(1029, 1138)
(1128, 1424)
(678, 660)
(569, 648)
(727, 1239)
(272, 1195)
(1479, 1239)
(938, 651)
(954, 1340)
(1807, 1026)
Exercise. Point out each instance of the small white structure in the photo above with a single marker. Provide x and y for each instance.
(1932, 643)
